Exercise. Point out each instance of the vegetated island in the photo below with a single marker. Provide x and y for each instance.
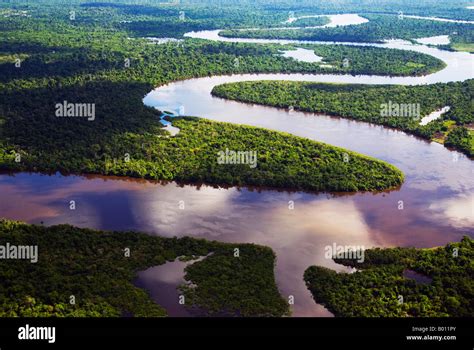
(454, 128)
(379, 28)
(93, 267)
(125, 138)
(383, 286)
(283, 160)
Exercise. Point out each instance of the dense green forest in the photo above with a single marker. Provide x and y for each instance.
(97, 53)
(308, 22)
(63, 49)
(374, 290)
(363, 102)
(71, 62)
(375, 60)
(379, 28)
(94, 267)
(252, 12)
(226, 291)
(48, 60)
(284, 161)
(173, 20)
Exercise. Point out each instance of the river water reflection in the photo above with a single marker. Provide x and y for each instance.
(297, 236)
(437, 196)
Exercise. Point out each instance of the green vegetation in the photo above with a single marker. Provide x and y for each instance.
(220, 284)
(364, 103)
(284, 160)
(95, 53)
(308, 22)
(374, 290)
(82, 62)
(375, 60)
(163, 16)
(93, 267)
(462, 139)
(87, 66)
(380, 27)
(468, 47)
(30, 307)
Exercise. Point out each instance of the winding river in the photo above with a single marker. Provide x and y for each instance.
(438, 195)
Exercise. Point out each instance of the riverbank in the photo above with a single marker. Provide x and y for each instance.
(253, 157)
(366, 103)
(381, 288)
(88, 273)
